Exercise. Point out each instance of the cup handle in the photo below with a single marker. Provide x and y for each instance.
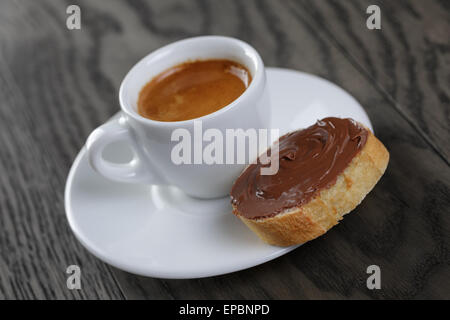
(133, 171)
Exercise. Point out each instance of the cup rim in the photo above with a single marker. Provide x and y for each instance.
(257, 78)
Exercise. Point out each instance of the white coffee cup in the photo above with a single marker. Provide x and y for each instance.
(150, 140)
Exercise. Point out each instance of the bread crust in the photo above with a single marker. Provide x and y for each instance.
(311, 220)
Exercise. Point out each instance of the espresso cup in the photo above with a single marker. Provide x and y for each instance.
(152, 141)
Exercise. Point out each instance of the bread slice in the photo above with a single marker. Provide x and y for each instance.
(314, 218)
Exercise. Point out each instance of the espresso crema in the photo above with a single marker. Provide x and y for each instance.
(193, 89)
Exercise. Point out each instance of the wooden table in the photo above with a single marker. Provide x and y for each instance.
(57, 85)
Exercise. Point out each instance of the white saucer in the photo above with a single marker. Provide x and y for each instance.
(160, 232)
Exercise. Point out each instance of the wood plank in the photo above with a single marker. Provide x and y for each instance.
(44, 120)
(408, 59)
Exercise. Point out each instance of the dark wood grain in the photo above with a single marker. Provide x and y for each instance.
(58, 85)
(45, 115)
(407, 59)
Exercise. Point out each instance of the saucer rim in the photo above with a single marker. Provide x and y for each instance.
(146, 272)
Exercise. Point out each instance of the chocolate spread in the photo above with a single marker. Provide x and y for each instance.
(309, 161)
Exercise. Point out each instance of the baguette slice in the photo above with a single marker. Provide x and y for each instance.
(312, 219)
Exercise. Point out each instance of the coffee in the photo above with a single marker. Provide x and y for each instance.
(193, 89)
